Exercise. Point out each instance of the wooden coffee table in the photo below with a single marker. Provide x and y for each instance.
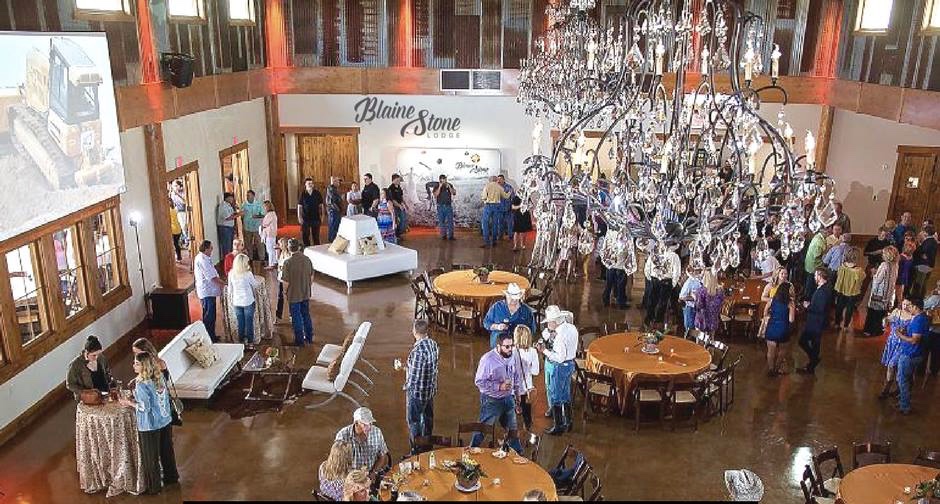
(261, 370)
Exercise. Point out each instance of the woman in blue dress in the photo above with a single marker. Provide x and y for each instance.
(780, 313)
(899, 319)
(385, 217)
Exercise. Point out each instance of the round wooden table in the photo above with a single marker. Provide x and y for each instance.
(747, 292)
(883, 483)
(620, 356)
(463, 285)
(515, 479)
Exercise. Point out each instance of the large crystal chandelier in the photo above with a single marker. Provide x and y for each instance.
(691, 166)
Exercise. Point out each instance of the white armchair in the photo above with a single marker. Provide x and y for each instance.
(318, 381)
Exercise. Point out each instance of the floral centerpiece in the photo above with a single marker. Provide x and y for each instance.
(271, 355)
(468, 472)
(651, 341)
(482, 274)
(927, 492)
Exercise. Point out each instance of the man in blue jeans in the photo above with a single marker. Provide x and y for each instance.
(911, 353)
(444, 196)
(492, 195)
(421, 383)
(500, 383)
(297, 275)
(505, 208)
(334, 209)
(208, 286)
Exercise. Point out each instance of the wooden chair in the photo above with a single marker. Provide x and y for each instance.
(718, 351)
(595, 486)
(424, 444)
(579, 467)
(539, 304)
(471, 427)
(648, 390)
(686, 396)
(598, 388)
(434, 272)
(729, 392)
(880, 451)
(588, 334)
(535, 447)
(828, 486)
(927, 458)
(715, 389)
(466, 315)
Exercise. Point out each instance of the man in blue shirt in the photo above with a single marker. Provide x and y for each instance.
(911, 352)
(252, 213)
(687, 297)
(505, 315)
(903, 227)
(505, 209)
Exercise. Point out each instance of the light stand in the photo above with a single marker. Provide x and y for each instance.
(135, 220)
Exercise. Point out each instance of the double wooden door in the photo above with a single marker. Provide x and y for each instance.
(323, 155)
(916, 183)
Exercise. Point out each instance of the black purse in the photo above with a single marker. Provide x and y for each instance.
(176, 405)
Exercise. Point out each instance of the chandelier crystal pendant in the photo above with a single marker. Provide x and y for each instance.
(690, 165)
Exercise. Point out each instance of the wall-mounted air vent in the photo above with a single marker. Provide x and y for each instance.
(471, 81)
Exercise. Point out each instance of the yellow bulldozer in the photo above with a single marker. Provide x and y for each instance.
(57, 123)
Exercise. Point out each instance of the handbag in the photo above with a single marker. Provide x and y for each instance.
(90, 397)
(176, 406)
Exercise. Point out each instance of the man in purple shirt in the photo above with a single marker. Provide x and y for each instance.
(500, 383)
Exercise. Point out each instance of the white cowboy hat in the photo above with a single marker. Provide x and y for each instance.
(744, 485)
(514, 291)
(553, 313)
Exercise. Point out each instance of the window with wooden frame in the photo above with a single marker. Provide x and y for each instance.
(931, 15)
(874, 16)
(107, 251)
(241, 12)
(3, 355)
(72, 293)
(186, 11)
(98, 10)
(29, 295)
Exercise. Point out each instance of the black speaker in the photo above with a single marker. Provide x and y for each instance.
(170, 308)
(177, 68)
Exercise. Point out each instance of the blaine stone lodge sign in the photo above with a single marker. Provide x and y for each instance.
(420, 123)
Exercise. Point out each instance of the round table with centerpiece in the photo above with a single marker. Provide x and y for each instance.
(506, 479)
(884, 483)
(464, 284)
(625, 355)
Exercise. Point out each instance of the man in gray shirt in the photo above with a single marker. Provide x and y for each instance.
(297, 275)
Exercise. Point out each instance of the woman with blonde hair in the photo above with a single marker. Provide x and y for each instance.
(780, 276)
(283, 255)
(333, 470)
(848, 288)
(241, 285)
(708, 302)
(152, 404)
(527, 358)
(882, 291)
(143, 345)
(268, 233)
(356, 486)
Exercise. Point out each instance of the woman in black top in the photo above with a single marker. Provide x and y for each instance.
(90, 370)
(521, 224)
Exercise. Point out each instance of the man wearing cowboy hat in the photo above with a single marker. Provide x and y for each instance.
(505, 315)
(559, 365)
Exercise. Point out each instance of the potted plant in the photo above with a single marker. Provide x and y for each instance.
(927, 492)
(468, 473)
(482, 274)
(651, 341)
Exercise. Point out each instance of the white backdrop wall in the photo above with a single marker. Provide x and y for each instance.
(862, 158)
(200, 137)
(26, 388)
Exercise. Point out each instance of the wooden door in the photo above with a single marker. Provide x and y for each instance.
(323, 155)
(916, 181)
(194, 216)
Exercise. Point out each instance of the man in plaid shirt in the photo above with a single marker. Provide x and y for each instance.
(421, 383)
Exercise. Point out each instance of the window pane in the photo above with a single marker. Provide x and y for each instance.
(70, 270)
(935, 15)
(240, 10)
(27, 293)
(101, 5)
(102, 226)
(875, 15)
(184, 8)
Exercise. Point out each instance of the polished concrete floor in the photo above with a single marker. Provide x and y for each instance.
(773, 427)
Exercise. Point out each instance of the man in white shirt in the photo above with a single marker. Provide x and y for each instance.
(687, 296)
(662, 281)
(559, 345)
(765, 266)
(208, 286)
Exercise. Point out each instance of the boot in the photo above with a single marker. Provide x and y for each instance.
(566, 416)
(559, 427)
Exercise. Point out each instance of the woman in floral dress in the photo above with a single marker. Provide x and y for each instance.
(385, 217)
(899, 319)
(708, 302)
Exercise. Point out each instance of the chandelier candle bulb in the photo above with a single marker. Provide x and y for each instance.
(749, 64)
(660, 52)
(788, 134)
(810, 145)
(775, 63)
(705, 56)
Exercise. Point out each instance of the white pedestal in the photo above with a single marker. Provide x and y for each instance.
(350, 268)
(359, 226)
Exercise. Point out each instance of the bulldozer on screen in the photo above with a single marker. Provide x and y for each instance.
(55, 120)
